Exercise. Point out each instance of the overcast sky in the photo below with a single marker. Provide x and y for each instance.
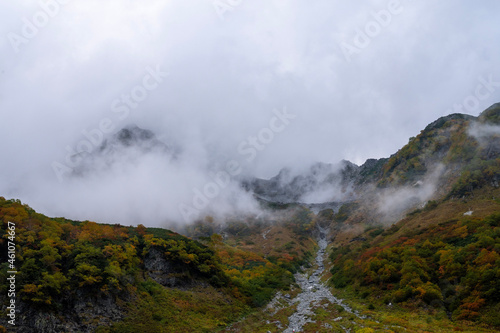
(356, 78)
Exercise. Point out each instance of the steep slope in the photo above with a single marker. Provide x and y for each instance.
(451, 157)
(446, 156)
(443, 257)
(443, 260)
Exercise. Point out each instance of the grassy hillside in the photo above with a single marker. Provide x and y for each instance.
(443, 259)
(284, 238)
(84, 275)
(445, 141)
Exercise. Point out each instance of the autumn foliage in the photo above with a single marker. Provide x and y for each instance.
(453, 265)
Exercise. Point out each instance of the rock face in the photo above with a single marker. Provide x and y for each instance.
(84, 313)
(77, 315)
(157, 267)
(167, 273)
(443, 120)
(322, 186)
(319, 184)
(133, 136)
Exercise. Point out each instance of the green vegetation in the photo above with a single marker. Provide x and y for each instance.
(62, 262)
(345, 211)
(449, 142)
(158, 309)
(58, 256)
(453, 266)
(255, 279)
(478, 173)
(491, 115)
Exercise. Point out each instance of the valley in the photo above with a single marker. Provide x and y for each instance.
(314, 291)
(231, 166)
(409, 243)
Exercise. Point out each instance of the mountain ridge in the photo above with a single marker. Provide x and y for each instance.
(447, 144)
(418, 231)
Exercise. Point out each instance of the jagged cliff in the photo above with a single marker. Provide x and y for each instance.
(433, 164)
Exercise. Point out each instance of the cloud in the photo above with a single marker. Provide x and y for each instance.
(483, 132)
(225, 78)
(132, 182)
(393, 202)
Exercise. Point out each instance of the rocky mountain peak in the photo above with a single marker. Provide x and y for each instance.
(134, 136)
(440, 122)
(491, 115)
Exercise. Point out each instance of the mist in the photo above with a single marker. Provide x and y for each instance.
(392, 203)
(209, 83)
(139, 184)
(483, 132)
